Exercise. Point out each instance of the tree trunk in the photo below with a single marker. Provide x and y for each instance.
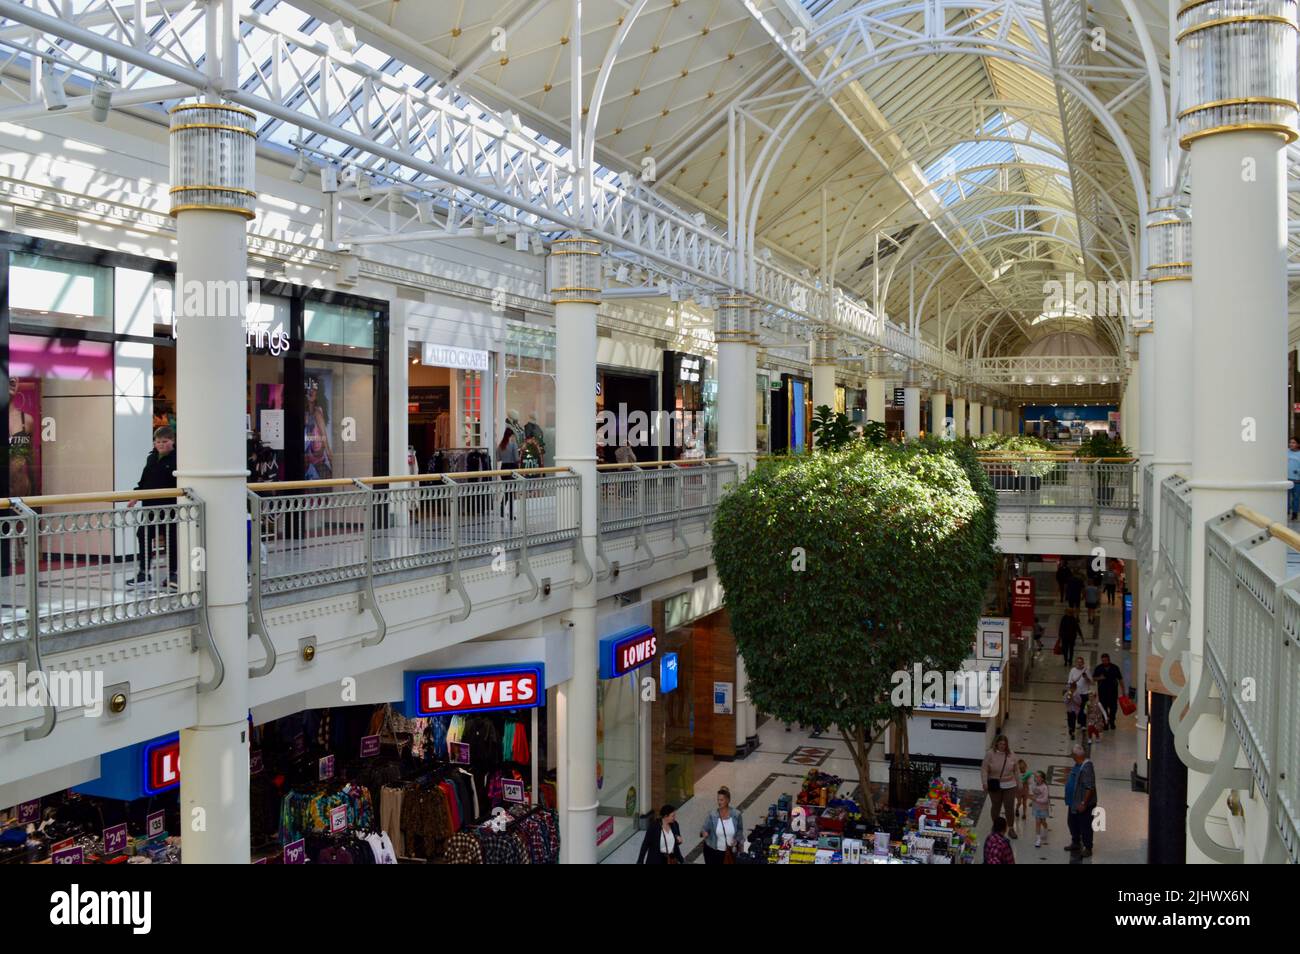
(861, 750)
(904, 753)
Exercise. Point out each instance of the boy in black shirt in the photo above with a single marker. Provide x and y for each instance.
(159, 473)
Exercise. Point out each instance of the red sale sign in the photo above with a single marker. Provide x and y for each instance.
(444, 693)
(162, 765)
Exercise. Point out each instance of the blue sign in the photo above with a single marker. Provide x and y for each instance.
(1128, 619)
(137, 771)
(445, 692)
(668, 672)
(626, 650)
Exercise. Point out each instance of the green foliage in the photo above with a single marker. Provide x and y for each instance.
(831, 429)
(899, 544)
(875, 433)
(1101, 444)
(1012, 443)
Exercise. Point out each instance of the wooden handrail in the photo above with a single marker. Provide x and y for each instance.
(1276, 530)
(646, 464)
(120, 496)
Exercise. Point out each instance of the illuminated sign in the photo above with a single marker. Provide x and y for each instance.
(162, 764)
(476, 690)
(627, 650)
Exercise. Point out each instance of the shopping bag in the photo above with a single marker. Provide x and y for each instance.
(1057, 650)
(1127, 705)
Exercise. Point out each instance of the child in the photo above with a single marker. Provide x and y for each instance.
(1096, 719)
(1042, 805)
(1022, 789)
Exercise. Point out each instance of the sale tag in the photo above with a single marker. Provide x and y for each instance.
(29, 812)
(512, 791)
(326, 767)
(114, 839)
(69, 856)
(154, 824)
(460, 753)
(338, 819)
(61, 845)
(369, 746)
(295, 853)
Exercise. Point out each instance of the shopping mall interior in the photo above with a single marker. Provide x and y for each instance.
(728, 431)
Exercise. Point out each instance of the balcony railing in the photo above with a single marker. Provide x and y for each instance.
(1109, 484)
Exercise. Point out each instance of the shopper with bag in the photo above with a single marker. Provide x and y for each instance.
(723, 832)
(998, 776)
(663, 841)
(1068, 634)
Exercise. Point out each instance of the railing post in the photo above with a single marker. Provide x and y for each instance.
(454, 580)
(31, 578)
(204, 635)
(523, 545)
(366, 599)
(256, 621)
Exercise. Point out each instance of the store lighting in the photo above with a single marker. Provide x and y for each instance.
(345, 36)
(538, 247)
(424, 211)
(621, 275)
(365, 189)
(395, 202)
(52, 88)
(299, 171)
(101, 99)
(329, 179)
(499, 230)
(477, 221)
(521, 241)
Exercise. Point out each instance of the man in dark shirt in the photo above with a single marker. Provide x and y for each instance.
(1073, 592)
(1067, 634)
(158, 474)
(1110, 683)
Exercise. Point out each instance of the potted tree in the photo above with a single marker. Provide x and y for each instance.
(1101, 446)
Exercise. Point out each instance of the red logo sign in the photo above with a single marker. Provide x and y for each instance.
(634, 653)
(473, 692)
(162, 765)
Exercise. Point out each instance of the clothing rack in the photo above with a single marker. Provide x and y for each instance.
(456, 460)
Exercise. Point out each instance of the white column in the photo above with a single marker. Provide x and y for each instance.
(939, 413)
(987, 426)
(911, 410)
(976, 418)
(575, 264)
(1239, 250)
(742, 710)
(211, 376)
(399, 377)
(737, 372)
(876, 398)
(958, 416)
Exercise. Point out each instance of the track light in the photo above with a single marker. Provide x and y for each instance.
(538, 247)
(477, 221)
(345, 36)
(52, 88)
(621, 274)
(424, 211)
(299, 171)
(329, 179)
(101, 99)
(365, 189)
(499, 230)
(395, 202)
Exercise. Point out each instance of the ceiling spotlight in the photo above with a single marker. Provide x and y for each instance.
(424, 211)
(345, 36)
(52, 88)
(521, 240)
(329, 179)
(299, 171)
(675, 292)
(538, 247)
(365, 189)
(101, 98)
(620, 276)
(395, 202)
(477, 221)
(499, 230)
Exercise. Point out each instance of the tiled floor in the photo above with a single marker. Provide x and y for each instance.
(1037, 730)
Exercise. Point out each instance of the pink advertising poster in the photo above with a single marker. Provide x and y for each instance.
(24, 437)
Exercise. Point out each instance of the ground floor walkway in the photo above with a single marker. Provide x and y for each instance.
(1037, 732)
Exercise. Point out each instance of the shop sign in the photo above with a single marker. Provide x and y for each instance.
(69, 856)
(722, 697)
(295, 853)
(474, 690)
(512, 790)
(114, 839)
(445, 356)
(162, 764)
(29, 812)
(627, 650)
(992, 640)
(154, 824)
(900, 396)
(369, 746)
(668, 672)
(605, 830)
(956, 725)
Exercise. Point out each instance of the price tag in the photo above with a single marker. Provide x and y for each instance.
(326, 767)
(154, 824)
(115, 839)
(29, 812)
(369, 746)
(295, 853)
(69, 856)
(338, 819)
(61, 845)
(460, 753)
(512, 791)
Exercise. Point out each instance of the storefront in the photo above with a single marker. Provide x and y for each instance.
(626, 403)
(1067, 422)
(529, 358)
(449, 408)
(690, 391)
(792, 414)
(92, 366)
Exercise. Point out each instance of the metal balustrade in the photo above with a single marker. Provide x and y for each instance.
(640, 495)
(1146, 529)
(1252, 624)
(1066, 483)
(1176, 533)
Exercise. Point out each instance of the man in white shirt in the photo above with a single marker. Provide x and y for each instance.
(1080, 680)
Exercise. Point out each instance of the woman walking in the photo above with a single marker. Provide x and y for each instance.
(508, 459)
(663, 842)
(723, 832)
(998, 776)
